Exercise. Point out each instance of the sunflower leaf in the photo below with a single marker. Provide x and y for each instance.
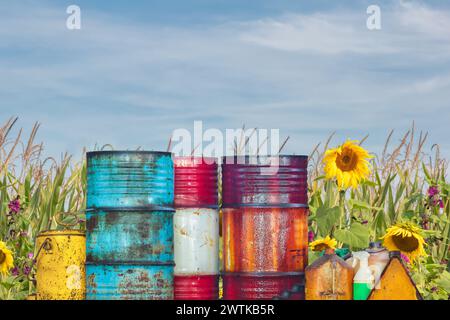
(326, 218)
(357, 236)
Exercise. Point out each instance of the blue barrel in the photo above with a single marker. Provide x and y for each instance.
(129, 227)
(130, 179)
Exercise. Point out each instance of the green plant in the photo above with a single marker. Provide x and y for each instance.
(398, 190)
(41, 188)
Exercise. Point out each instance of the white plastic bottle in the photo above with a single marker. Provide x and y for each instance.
(363, 281)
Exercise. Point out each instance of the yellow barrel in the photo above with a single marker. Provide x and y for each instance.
(60, 262)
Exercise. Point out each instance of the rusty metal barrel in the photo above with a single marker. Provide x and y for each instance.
(264, 227)
(196, 229)
(129, 225)
(60, 261)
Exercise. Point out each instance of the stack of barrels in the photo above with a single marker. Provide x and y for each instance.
(196, 229)
(129, 243)
(265, 209)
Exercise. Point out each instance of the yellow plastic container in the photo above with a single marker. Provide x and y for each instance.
(60, 262)
(395, 282)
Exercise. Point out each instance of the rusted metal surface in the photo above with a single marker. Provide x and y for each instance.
(129, 282)
(196, 287)
(259, 286)
(265, 181)
(195, 182)
(140, 236)
(196, 241)
(60, 263)
(130, 225)
(265, 239)
(129, 179)
(264, 225)
(329, 278)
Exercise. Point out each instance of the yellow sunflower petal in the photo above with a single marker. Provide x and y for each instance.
(347, 164)
(406, 238)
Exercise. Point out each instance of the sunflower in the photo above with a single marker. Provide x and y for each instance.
(322, 244)
(6, 259)
(348, 164)
(406, 238)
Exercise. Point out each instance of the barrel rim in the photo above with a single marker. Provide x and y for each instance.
(65, 232)
(262, 274)
(215, 159)
(130, 263)
(140, 209)
(286, 156)
(209, 206)
(196, 275)
(123, 152)
(265, 205)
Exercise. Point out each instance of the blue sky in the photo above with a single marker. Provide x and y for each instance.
(138, 70)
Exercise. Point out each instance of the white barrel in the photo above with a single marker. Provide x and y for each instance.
(196, 241)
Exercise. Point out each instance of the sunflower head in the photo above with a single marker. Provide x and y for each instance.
(6, 259)
(406, 238)
(323, 244)
(348, 164)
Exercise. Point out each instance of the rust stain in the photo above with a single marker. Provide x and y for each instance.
(91, 281)
(111, 218)
(92, 223)
(144, 229)
(265, 240)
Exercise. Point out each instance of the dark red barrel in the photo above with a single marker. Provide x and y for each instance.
(265, 225)
(196, 229)
(265, 181)
(259, 286)
(197, 287)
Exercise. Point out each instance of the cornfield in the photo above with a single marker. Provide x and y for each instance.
(396, 191)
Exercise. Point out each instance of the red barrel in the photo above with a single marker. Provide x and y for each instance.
(259, 286)
(197, 287)
(196, 229)
(195, 182)
(265, 225)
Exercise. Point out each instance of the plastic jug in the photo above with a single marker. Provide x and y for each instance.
(378, 260)
(364, 279)
(329, 278)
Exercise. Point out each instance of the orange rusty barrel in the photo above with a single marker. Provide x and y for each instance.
(264, 227)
